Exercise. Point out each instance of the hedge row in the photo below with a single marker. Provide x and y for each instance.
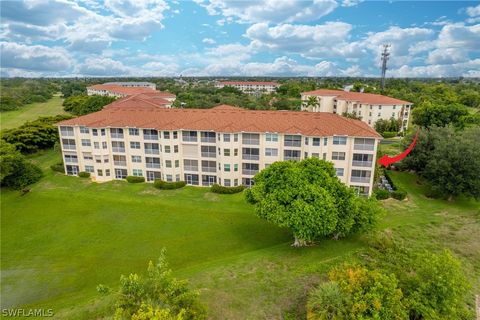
(160, 184)
(216, 188)
(397, 193)
(135, 179)
(58, 167)
(84, 174)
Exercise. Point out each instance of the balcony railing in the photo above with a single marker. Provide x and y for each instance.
(209, 169)
(150, 136)
(360, 179)
(118, 149)
(120, 163)
(292, 144)
(69, 160)
(152, 151)
(251, 141)
(249, 172)
(190, 168)
(246, 156)
(189, 138)
(69, 147)
(363, 147)
(117, 135)
(153, 165)
(356, 163)
(209, 154)
(208, 139)
(286, 158)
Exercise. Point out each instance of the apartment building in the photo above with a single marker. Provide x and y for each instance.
(224, 145)
(371, 107)
(134, 84)
(250, 86)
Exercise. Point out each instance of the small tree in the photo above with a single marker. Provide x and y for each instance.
(308, 198)
(311, 101)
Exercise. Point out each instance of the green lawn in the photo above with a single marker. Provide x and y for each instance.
(15, 118)
(68, 235)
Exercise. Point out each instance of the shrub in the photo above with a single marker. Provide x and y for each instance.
(399, 194)
(58, 167)
(387, 175)
(382, 194)
(389, 134)
(135, 179)
(84, 174)
(25, 174)
(216, 188)
(164, 185)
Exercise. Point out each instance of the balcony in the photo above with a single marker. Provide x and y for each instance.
(118, 149)
(153, 165)
(209, 169)
(370, 147)
(152, 151)
(246, 156)
(69, 147)
(120, 163)
(362, 163)
(190, 168)
(116, 135)
(189, 138)
(209, 154)
(286, 158)
(249, 172)
(71, 160)
(150, 136)
(360, 179)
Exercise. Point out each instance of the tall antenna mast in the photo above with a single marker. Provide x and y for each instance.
(385, 57)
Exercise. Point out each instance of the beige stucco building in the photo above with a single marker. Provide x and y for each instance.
(371, 107)
(250, 87)
(224, 145)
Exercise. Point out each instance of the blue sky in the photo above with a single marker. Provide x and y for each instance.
(238, 38)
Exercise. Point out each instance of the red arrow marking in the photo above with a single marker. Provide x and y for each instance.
(386, 160)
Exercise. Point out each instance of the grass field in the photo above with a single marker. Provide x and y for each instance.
(68, 235)
(15, 118)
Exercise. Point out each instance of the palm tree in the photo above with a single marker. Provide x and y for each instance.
(311, 102)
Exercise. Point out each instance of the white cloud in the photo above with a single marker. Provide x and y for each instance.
(457, 35)
(208, 41)
(350, 3)
(100, 66)
(248, 11)
(467, 69)
(473, 11)
(35, 58)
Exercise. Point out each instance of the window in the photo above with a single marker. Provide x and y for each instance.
(169, 177)
(152, 163)
(235, 167)
(250, 153)
(316, 142)
(71, 158)
(380, 107)
(96, 145)
(175, 149)
(227, 182)
(175, 135)
(189, 136)
(251, 138)
(315, 155)
(362, 160)
(325, 141)
(291, 154)
(292, 141)
(208, 151)
(250, 168)
(379, 114)
(226, 137)
(106, 159)
(166, 135)
(168, 163)
(364, 144)
(339, 140)
(235, 137)
(116, 133)
(235, 182)
(226, 167)
(104, 144)
(305, 155)
(87, 156)
(271, 137)
(393, 114)
(151, 148)
(209, 166)
(247, 182)
(133, 132)
(177, 177)
(190, 165)
(119, 160)
(235, 152)
(167, 149)
(338, 155)
(68, 144)
(66, 131)
(339, 172)
(137, 172)
(90, 169)
(99, 173)
(226, 152)
(324, 156)
(207, 137)
(306, 141)
(118, 146)
(191, 179)
(84, 130)
(152, 175)
(120, 173)
(102, 132)
(86, 143)
(177, 163)
(150, 134)
(95, 132)
(360, 176)
(271, 152)
(107, 172)
(137, 159)
(134, 144)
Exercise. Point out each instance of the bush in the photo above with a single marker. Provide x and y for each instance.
(135, 179)
(25, 173)
(216, 188)
(389, 134)
(399, 194)
(164, 185)
(387, 175)
(381, 194)
(84, 174)
(58, 167)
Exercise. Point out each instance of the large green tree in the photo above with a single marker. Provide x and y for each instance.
(309, 199)
(15, 171)
(430, 114)
(83, 104)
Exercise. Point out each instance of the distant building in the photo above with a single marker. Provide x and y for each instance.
(224, 145)
(371, 107)
(250, 86)
(134, 84)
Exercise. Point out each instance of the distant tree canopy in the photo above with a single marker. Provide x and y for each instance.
(34, 135)
(448, 159)
(391, 125)
(309, 199)
(351, 115)
(15, 171)
(73, 88)
(15, 93)
(83, 104)
(428, 114)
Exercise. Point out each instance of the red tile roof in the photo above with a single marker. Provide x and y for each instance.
(253, 83)
(368, 98)
(140, 100)
(225, 119)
